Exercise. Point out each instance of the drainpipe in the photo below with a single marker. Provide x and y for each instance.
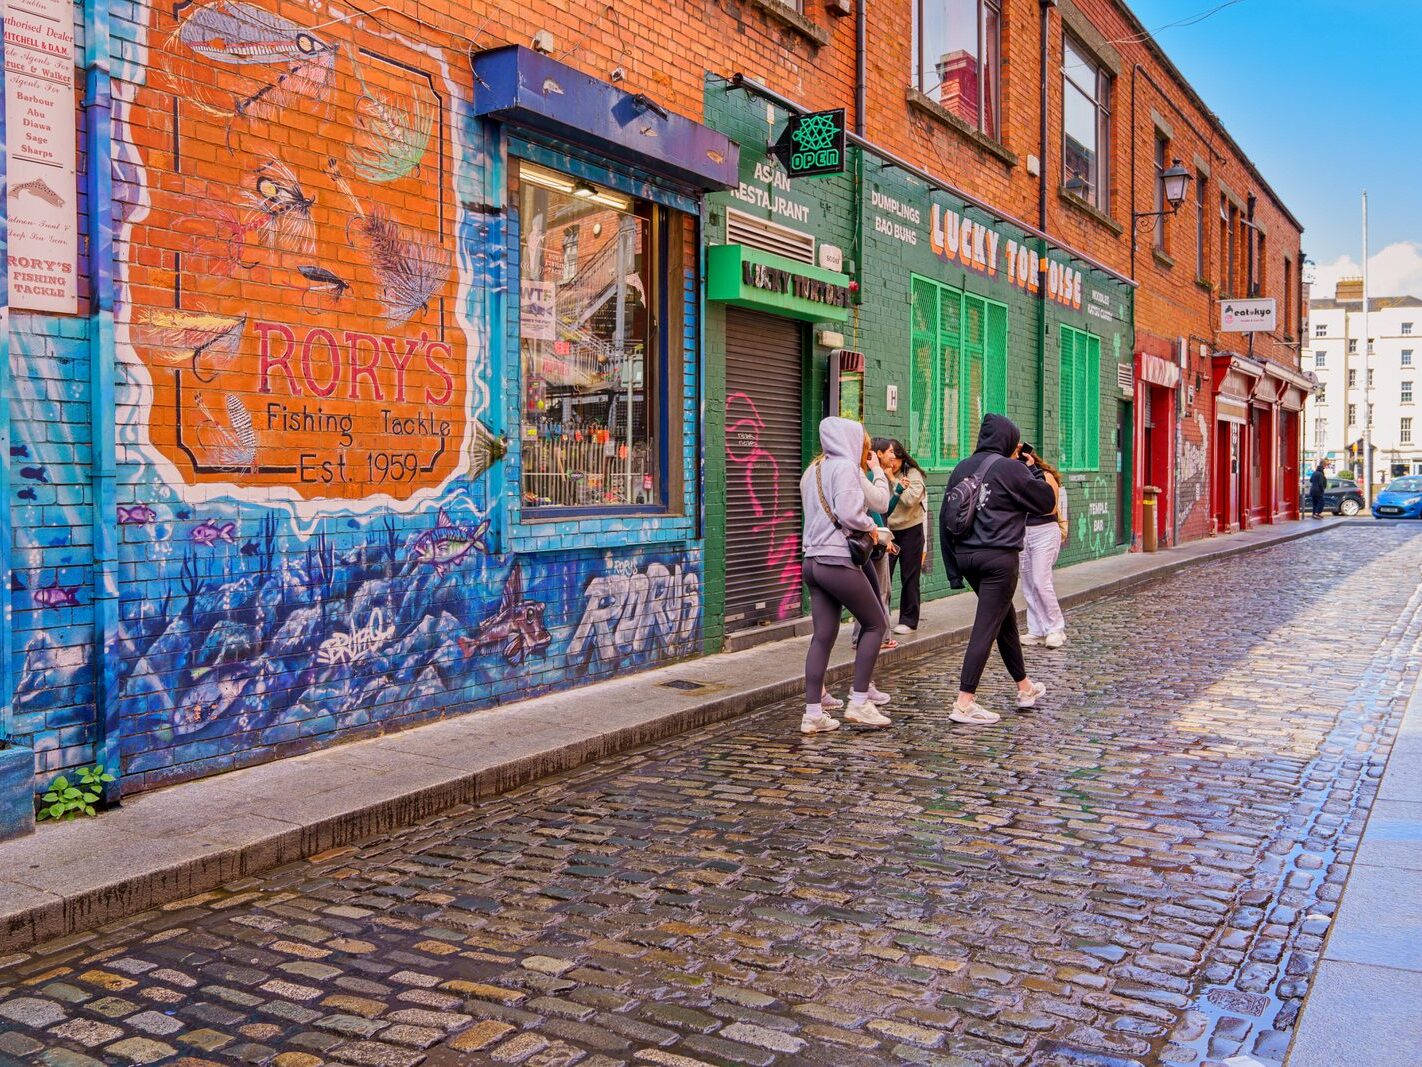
(861, 48)
(1042, 179)
(98, 102)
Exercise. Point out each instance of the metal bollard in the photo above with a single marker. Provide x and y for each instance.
(1149, 495)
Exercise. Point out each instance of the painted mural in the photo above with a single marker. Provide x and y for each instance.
(313, 534)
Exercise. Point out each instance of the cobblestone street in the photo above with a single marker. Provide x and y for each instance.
(1142, 871)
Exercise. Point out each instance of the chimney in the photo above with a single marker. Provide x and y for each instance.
(1349, 289)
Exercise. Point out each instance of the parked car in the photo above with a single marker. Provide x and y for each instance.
(1401, 498)
(1340, 496)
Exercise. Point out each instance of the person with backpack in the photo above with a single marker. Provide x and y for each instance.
(981, 526)
(838, 539)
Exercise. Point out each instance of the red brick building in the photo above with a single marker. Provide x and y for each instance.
(1061, 115)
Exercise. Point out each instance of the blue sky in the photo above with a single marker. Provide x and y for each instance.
(1325, 97)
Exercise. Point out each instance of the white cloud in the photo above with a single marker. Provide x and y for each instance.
(1394, 271)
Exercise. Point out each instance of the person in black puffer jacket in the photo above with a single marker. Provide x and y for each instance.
(986, 558)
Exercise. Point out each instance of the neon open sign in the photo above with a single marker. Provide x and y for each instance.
(812, 145)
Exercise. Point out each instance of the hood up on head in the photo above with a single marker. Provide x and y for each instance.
(842, 439)
(998, 434)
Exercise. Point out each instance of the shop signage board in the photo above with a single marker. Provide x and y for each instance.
(748, 277)
(40, 155)
(812, 145)
(1248, 316)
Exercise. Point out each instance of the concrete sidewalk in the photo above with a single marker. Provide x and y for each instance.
(182, 841)
(1364, 1008)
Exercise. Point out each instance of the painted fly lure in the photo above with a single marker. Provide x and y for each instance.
(323, 282)
(238, 34)
(280, 218)
(411, 267)
(391, 140)
(209, 342)
(232, 447)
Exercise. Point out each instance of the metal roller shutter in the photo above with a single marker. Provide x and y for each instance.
(764, 361)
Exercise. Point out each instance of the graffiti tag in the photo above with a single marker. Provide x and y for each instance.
(631, 615)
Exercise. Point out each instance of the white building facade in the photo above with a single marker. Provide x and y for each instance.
(1390, 387)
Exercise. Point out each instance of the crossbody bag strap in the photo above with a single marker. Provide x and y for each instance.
(820, 485)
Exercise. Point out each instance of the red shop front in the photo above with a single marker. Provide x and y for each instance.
(1157, 379)
(1256, 442)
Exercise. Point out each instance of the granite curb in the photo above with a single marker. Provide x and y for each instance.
(182, 841)
(1364, 1005)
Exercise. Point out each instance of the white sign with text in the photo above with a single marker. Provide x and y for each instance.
(40, 155)
(1248, 316)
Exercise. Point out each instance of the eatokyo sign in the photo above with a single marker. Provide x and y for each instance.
(1248, 316)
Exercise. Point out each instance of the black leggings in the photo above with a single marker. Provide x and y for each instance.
(910, 559)
(834, 589)
(992, 574)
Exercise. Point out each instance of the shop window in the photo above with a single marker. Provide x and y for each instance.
(957, 59)
(1404, 432)
(958, 370)
(1162, 151)
(1086, 126)
(1200, 225)
(1080, 400)
(593, 344)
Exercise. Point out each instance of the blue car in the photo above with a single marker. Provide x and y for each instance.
(1402, 499)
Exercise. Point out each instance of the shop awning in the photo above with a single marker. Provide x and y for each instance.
(1158, 371)
(526, 88)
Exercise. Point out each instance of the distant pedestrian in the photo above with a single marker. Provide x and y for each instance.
(832, 495)
(877, 501)
(981, 528)
(908, 520)
(1046, 625)
(1317, 483)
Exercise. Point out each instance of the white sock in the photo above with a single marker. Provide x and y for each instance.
(856, 697)
(813, 711)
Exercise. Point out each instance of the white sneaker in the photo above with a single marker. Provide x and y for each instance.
(1029, 699)
(866, 714)
(973, 715)
(901, 628)
(817, 724)
(1032, 639)
(878, 696)
(1055, 639)
(830, 703)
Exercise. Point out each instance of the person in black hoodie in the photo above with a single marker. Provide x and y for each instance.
(986, 558)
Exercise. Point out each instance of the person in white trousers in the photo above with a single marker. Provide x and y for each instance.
(1043, 544)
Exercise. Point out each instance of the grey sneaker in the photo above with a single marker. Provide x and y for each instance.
(830, 702)
(866, 714)
(1030, 698)
(878, 696)
(973, 715)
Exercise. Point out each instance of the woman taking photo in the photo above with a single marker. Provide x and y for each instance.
(1045, 536)
(832, 495)
(908, 519)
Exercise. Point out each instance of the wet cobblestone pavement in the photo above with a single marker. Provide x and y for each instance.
(1140, 872)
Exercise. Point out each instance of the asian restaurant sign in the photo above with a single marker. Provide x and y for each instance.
(40, 155)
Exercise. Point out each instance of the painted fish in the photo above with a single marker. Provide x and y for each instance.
(516, 629)
(19, 451)
(250, 548)
(57, 596)
(28, 494)
(449, 543)
(16, 586)
(38, 188)
(35, 474)
(135, 514)
(208, 533)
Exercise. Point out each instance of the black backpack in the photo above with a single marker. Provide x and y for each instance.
(960, 503)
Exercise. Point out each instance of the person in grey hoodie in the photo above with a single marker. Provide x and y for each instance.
(835, 584)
